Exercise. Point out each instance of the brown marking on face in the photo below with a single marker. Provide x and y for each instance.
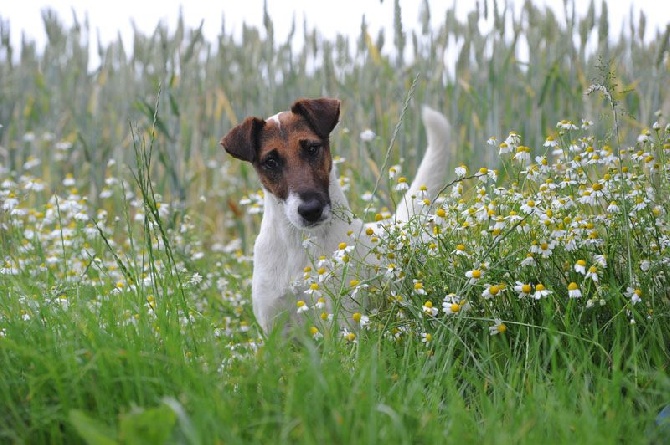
(293, 158)
(290, 151)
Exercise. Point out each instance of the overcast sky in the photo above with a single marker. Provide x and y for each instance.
(329, 17)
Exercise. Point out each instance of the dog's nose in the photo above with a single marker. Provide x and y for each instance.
(311, 210)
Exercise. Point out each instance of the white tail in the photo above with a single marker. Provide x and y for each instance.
(433, 168)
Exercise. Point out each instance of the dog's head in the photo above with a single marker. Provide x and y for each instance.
(290, 151)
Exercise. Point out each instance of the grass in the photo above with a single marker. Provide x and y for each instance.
(124, 302)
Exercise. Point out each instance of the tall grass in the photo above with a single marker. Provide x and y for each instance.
(124, 283)
(484, 88)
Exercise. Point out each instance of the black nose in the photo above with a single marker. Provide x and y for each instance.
(311, 209)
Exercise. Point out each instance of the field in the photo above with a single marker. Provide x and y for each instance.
(528, 304)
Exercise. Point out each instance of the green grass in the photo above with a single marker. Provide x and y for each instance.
(122, 331)
(546, 387)
(124, 284)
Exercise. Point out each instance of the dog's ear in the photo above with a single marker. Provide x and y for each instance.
(243, 141)
(321, 114)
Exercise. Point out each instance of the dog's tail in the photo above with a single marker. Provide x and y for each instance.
(433, 168)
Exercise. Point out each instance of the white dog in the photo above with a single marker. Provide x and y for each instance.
(291, 154)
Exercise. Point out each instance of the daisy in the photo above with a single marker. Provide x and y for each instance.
(440, 215)
(550, 142)
(491, 291)
(360, 319)
(545, 249)
(498, 327)
(573, 290)
(522, 289)
(314, 331)
(69, 180)
(613, 207)
(428, 309)
(540, 291)
(461, 171)
(592, 273)
(528, 207)
(460, 250)
(513, 139)
(529, 260)
(302, 307)
(314, 290)
(635, 295)
(566, 125)
(452, 304)
(367, 135)
(418, 288)
(426, 337)
(402, 184)
(522, 154)
(580, 267)
(474, 275)
(348, 336)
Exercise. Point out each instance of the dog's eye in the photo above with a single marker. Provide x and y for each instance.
(270, 163)
(312, 149)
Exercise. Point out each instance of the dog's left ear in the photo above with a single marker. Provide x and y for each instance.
(242, 142)
(321, 114)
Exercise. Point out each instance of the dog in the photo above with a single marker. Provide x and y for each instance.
(290, 152)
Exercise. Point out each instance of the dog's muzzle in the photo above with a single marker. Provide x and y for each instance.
(313, 208)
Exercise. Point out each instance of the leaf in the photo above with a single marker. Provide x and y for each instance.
(174, 105)
(148, 110)
(92, 431)
(152, 426)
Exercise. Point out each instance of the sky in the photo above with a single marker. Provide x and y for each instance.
(110, 18)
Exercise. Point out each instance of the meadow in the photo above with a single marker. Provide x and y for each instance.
(529, 303)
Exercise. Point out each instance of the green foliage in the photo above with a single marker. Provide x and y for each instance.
(124, 283)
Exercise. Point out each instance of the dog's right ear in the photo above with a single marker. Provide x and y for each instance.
(243, 141)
